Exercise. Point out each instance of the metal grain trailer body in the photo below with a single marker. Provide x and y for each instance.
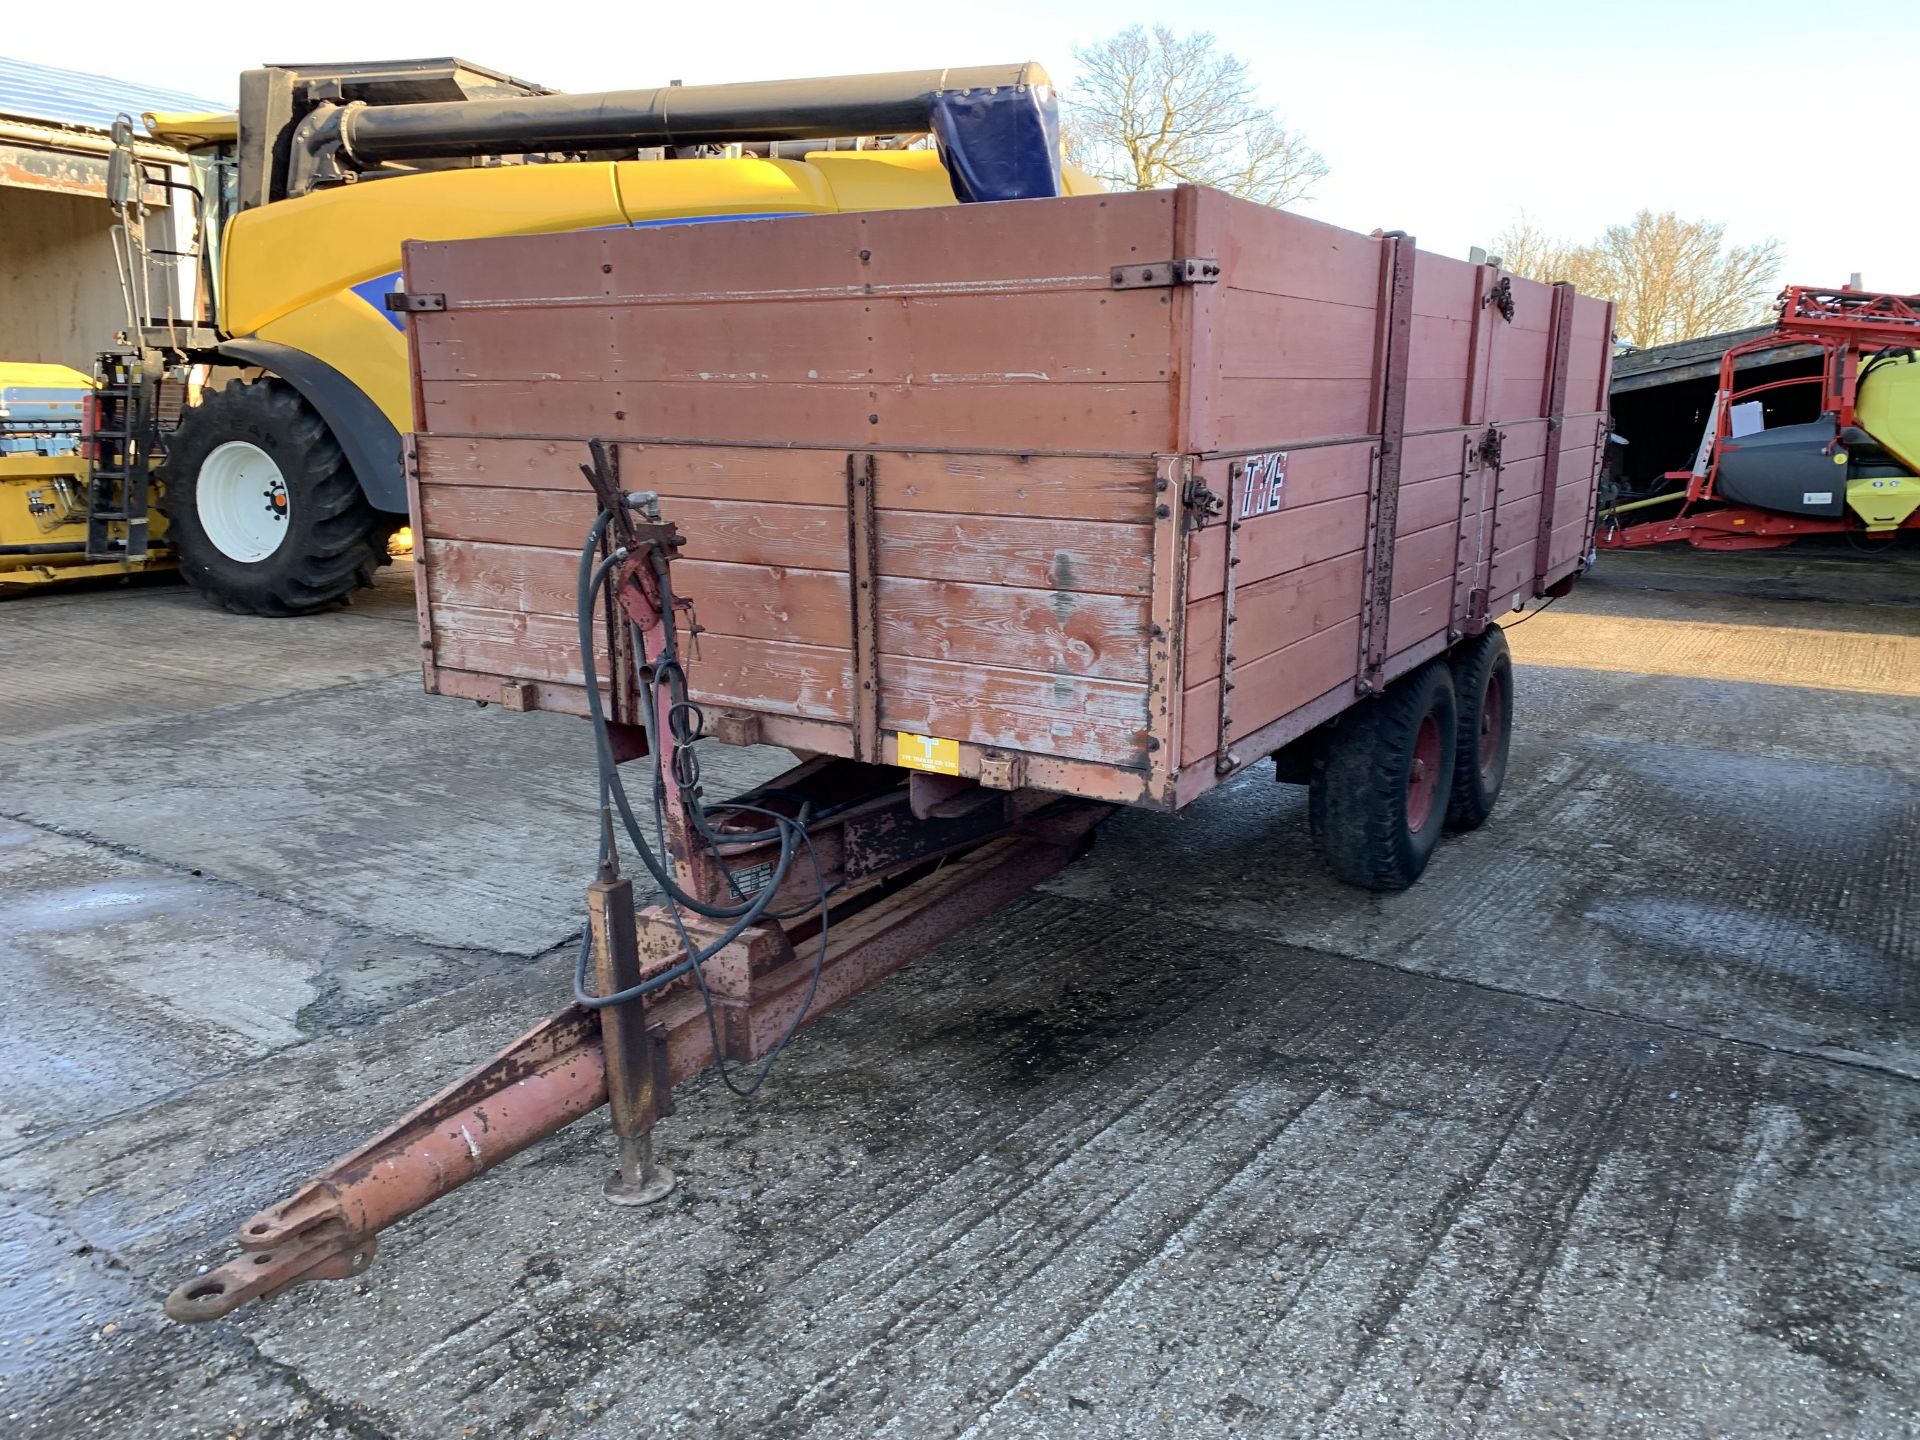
(1000, 516)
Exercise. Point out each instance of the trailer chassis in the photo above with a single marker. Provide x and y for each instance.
(905, 860)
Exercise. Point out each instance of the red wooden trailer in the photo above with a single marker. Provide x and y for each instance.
(999, 516)
(1137, 529)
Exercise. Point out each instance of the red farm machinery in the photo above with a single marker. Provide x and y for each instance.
(1854, 470)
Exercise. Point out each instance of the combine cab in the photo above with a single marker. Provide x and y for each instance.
(1855, 469)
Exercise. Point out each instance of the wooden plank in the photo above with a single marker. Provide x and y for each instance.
(1512, 575)
(1274, 544)
(512, 517)
(1447, 315)
(1439, 371)
(1427, 503)
(811, 537)
(1290, 337)
(520, 345)
(1433, 454)
(818, 255)
(1268, 688)
(1071, 242)
(1050, 631)
(1569, 539)
(1062, 337)
(1275, 612)
(529, 578)
(1095, 418)
(812, 681)
(513, 643)
(1033, 554)
(1256, 414)
(527, 267)
(765, 602)
(719, 472)
(1426, 558)
(1420, 613)
(1279, 253)
(1519, 521)
(1519, 361)
(505, 462)
(1050, 486)
(1045, 486)
(1075, 716)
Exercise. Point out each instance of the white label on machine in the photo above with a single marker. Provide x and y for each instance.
(1265, 479)
(1817, 497)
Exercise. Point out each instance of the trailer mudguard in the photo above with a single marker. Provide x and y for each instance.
(366, 436)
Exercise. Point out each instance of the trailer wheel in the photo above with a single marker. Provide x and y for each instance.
(1483, 685)
(262, 507)
(1379, 798)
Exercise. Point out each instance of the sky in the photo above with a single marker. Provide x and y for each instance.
(1448, 121)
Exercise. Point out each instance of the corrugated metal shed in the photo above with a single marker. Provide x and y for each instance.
(1698, 360)
(49, 95)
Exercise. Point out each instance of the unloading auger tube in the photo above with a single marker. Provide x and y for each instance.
(748, 945)
(335, 140)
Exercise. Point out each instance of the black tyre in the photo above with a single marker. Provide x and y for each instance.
(1379, 797)
(262, 508)
(1483, 685)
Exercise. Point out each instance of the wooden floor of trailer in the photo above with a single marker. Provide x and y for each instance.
(1606, 1128)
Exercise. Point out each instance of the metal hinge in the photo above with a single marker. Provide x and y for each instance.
(1501, 298)
(1194, 270)
(405, 301)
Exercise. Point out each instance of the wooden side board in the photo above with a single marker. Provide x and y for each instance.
(1023, 629)
(939, 475)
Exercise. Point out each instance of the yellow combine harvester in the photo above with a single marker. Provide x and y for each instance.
(282, 485)
(43, 480)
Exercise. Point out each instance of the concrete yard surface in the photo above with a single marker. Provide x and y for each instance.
(1610, 1127)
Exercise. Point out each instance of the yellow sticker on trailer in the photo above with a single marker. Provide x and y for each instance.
(929, 753)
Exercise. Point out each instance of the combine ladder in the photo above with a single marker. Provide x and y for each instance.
(124, 436)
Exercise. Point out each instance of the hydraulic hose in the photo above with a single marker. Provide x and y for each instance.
(790, 832)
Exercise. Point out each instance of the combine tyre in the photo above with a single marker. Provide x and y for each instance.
(262, 507)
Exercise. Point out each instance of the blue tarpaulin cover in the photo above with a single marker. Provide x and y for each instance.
(1001, 143)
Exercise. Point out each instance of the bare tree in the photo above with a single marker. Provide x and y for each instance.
(1672, 279)
(1526, 249)
(1152, 108)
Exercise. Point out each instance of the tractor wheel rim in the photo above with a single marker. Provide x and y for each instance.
(1423, 776)
(1493, 718)
(241, 499)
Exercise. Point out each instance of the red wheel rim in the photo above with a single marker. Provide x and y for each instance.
(1493, 718)
(1423, 776)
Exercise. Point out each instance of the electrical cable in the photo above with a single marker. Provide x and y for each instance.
(1530, 614)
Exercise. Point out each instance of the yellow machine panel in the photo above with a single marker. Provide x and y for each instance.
(311, 273)
(43, 524)
(1888, 406)
(282, 256)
